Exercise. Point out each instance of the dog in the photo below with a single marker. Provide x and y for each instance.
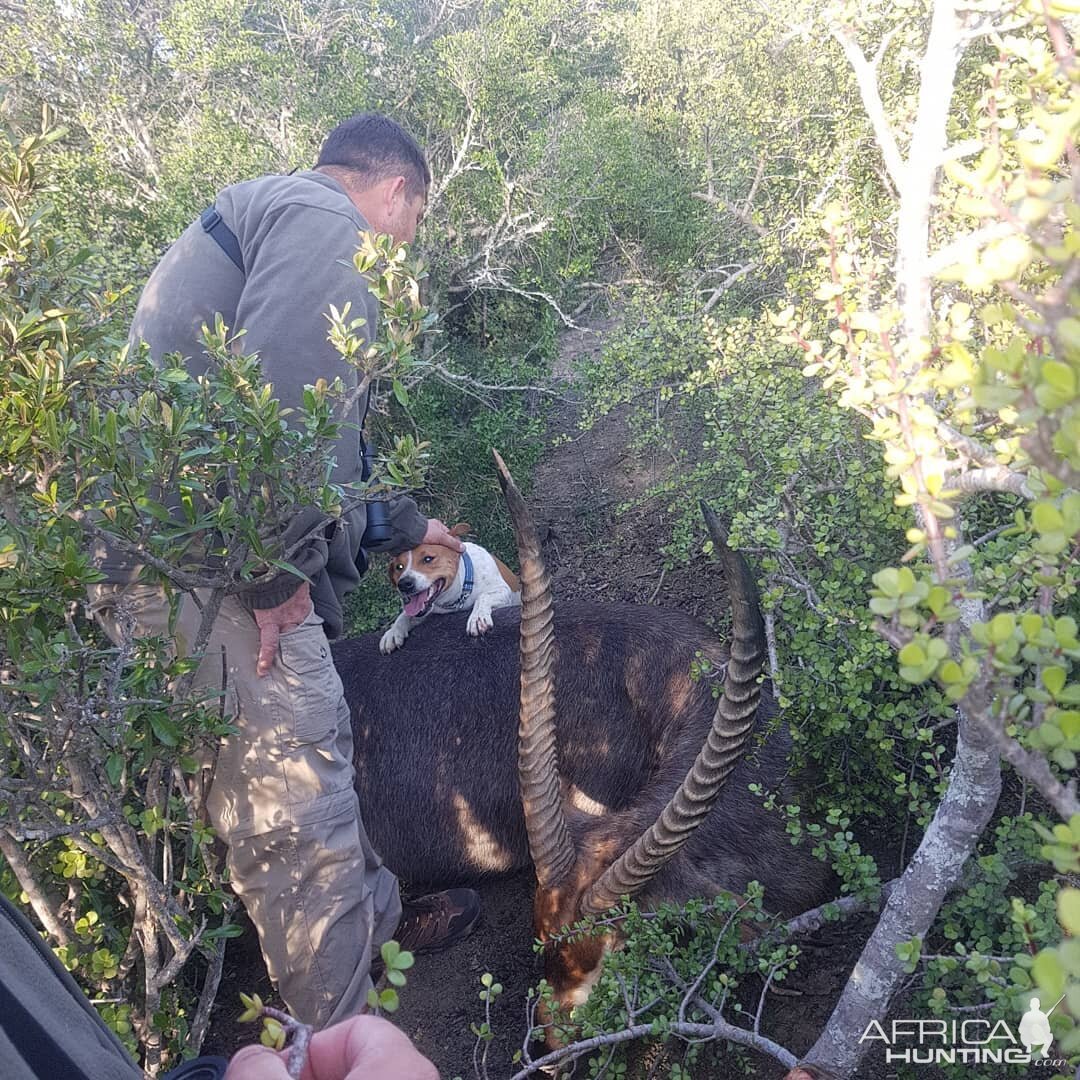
(433, 578)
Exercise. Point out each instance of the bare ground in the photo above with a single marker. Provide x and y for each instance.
(592, 553)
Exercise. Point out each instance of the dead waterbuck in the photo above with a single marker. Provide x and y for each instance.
(577, 739)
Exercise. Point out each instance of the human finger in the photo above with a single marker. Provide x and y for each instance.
(364, 1047)
(269, 634)
(256, 1063)
(438, 533)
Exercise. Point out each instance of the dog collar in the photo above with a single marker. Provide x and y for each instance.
(466, 585)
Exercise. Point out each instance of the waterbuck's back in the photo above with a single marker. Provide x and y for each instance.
(435, 725)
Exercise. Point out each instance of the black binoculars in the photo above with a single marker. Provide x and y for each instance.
(377, 529)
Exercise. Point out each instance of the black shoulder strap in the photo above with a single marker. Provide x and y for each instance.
(222, 235)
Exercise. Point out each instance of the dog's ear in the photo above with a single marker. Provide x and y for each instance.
(463, 528)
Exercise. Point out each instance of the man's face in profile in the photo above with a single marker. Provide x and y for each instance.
(408, 219)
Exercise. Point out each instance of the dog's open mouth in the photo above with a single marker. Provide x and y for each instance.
(419, 604)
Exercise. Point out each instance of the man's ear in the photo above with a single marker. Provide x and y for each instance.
(395, 193)
(463, 528)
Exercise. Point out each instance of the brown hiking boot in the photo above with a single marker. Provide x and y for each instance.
(437, 921)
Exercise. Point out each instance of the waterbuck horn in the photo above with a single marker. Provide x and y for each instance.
(550, 845)
(731, 725)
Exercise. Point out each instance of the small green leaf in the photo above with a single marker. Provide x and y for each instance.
(164, 729)
(912, 654)
(1054, 679)
(1069, 722)
(1068, 905)
(1047, 518)
(1049, 974)
(1060, 376)
(114, 768)
(951, 672)
(937, 599)
(888, 581)
(1063, 757)
(229, 930)
(914, 674)
(1051, 735)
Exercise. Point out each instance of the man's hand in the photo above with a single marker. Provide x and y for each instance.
(438, 533)
(361, 1048)
(273, 622)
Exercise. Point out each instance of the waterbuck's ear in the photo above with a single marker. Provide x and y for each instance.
(463, 528)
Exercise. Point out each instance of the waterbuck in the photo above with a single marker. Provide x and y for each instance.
(603, 762)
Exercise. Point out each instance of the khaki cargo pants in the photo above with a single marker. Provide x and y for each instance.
(282, 799)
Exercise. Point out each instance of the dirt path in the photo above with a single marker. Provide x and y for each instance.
(591, 553)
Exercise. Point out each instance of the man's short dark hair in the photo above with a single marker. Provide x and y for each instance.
(375, 147)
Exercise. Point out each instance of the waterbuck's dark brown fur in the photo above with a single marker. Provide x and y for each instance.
(436, 728)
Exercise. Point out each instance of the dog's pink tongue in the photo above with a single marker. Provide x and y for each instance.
(416, 603)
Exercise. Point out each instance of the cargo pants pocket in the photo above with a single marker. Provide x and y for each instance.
(314, 687)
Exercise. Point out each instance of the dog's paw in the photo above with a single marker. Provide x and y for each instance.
(393, 639)
(479, 623)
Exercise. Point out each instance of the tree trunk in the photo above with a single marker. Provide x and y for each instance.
(913, 905)
(46, 907)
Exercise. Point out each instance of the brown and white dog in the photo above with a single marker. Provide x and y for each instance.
(433, 578)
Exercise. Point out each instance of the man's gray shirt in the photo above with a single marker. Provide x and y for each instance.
(298, 235)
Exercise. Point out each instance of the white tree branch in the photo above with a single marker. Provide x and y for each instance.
(718, 1029)
(1036, 770)
(997, 478)
(727, 284)
(920, 174)
(457, 166)
(971, 448)
(866, 78)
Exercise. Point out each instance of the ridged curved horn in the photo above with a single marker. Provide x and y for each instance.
(550, 845)
(731, 725)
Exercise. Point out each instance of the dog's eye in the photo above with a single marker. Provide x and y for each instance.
(400, 566)
(429, 558)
